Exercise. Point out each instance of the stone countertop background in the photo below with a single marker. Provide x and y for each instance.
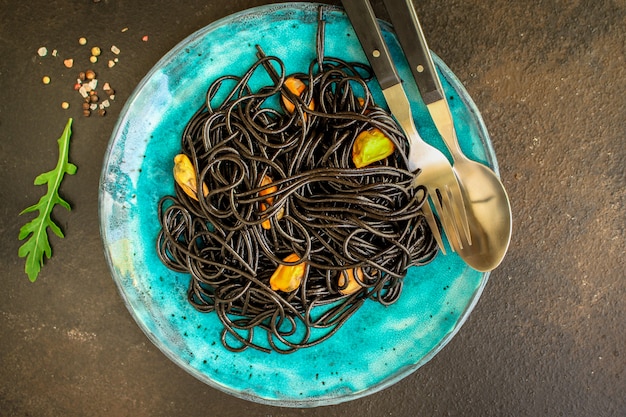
(548, 335)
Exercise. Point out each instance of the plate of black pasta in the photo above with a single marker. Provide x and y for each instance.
(259, 219)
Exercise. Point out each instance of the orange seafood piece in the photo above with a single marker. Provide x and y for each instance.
(287, 278)
(265, 181)
(279, 215)
(269, 201)
(353, 285)
(296, 87)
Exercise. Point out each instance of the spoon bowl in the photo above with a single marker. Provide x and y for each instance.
(488, 212)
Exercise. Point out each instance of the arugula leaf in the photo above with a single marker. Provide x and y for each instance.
(38, 245)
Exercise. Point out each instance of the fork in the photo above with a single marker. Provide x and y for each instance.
(436, 172)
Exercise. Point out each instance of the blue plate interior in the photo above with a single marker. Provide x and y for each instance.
(379, 345)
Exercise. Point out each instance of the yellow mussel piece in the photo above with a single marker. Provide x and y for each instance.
(353, 285)
(185, 176)
(287, 278)
(371, 146)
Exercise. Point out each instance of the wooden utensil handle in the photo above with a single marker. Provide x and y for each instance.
(409, 31)
(368, 31)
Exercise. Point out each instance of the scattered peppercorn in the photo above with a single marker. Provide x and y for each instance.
(96, 99)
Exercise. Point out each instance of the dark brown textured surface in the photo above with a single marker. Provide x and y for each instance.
(547, 338)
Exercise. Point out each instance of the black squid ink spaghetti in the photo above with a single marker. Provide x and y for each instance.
(293, 204)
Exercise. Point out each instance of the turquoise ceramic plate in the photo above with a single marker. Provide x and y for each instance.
(379, 345)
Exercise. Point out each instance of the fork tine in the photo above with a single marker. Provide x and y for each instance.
(432, 223)
(446, 217)
(460, 213)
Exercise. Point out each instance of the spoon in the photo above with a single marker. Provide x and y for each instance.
(488, 211)
(486, 201)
